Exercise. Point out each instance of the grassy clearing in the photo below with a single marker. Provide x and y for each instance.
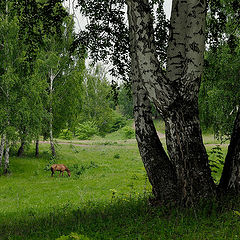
(105, 198)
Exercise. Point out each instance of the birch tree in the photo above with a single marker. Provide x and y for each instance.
(181, 174)
(62, 70)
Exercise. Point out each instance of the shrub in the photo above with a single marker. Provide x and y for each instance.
(66, 134)
(79, 170)
(86, 130)
(117, 156)
(128, 132)
(118, 121)
(73, 236)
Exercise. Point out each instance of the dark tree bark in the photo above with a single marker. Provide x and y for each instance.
(160, 170)
(21, 149)
(37, 148)
(230, 179)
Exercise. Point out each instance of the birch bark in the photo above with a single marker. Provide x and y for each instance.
(160, 171)
(52, 77)
(6, 157)
(2, 148)
(176, 93)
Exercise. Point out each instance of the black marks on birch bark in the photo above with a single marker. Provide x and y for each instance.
(195, 47)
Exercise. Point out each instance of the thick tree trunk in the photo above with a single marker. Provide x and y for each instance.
(37, 148)
(2, 149)
(230, 179)
(160, 171)
(186, 150)
(176, 93)
(6, 158)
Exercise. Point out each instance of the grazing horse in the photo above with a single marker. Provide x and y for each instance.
(61, 168)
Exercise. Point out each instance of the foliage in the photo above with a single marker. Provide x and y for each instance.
(125, 101)
(21, 90)
(86, 130)
(117, 122)
(216, 159)
(128, 132)
(66, 134)
(106, 35)
(222, 63)
(97, 102)
(220, 88)
(50, 163)
(73, 236)
(77, 170)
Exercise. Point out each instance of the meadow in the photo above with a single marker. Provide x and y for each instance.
(106, 197)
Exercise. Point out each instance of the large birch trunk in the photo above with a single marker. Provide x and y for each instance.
(186, 150)
(230, 179)
(176, 93)
(160, 171)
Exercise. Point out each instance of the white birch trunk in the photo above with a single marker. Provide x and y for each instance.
(6, 157)
(52, 77)
(160, 171)
(2, 149)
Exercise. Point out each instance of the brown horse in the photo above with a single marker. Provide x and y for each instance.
(61, 168)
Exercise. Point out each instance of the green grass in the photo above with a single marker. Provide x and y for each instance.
(105, 198)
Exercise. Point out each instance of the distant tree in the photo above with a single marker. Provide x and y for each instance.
(125, 101)
(222, 63)
(97, 99)
(62, 68)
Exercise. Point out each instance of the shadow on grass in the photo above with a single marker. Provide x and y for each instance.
(122, 219)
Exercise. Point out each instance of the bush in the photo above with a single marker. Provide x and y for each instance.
(128, 132)
(118, 121)
(79, 170)
(86, 130)
(73, 236)
(66, 134)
